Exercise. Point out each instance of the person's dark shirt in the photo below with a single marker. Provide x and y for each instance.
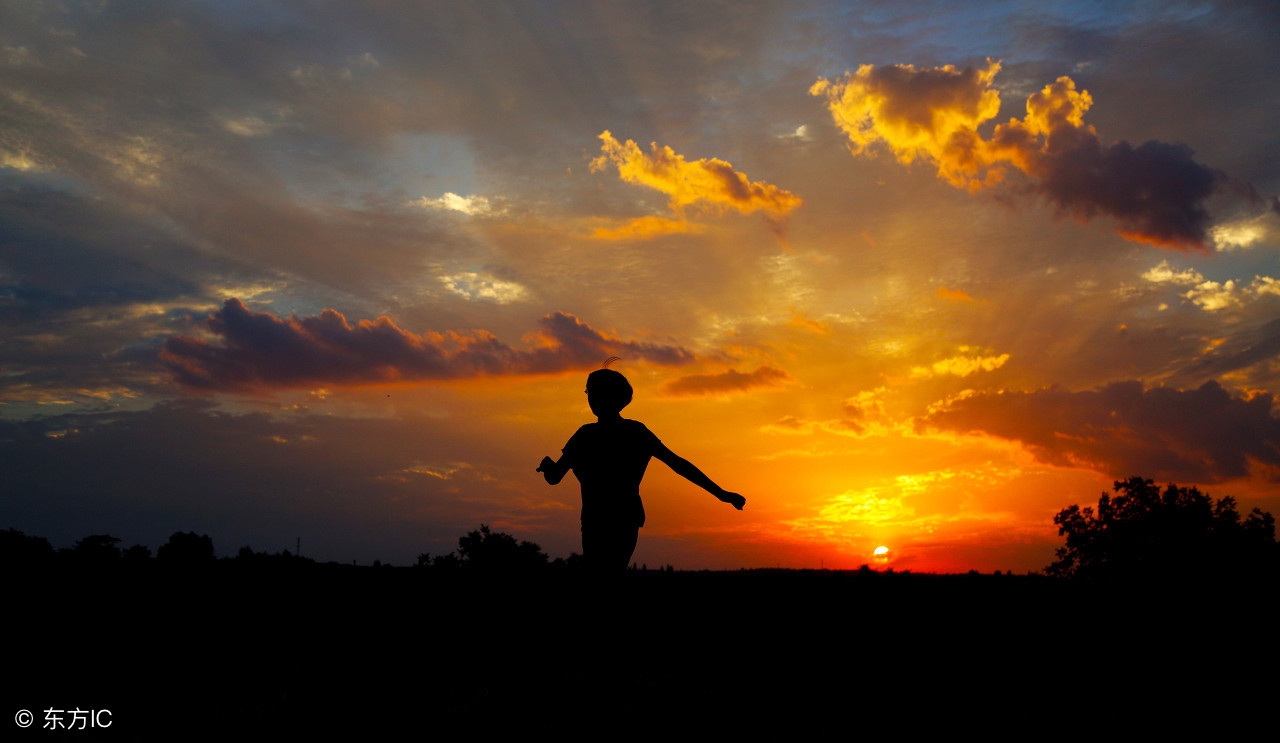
(609, 460)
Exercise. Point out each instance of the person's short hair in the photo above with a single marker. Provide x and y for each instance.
(610, 388)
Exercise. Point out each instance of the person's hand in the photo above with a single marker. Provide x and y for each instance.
(547, 463)
(733, 499)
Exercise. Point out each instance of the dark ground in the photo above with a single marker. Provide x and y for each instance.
(295, 652)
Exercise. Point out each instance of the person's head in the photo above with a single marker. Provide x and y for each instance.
(608, 392)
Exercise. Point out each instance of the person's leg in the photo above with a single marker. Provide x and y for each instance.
(607, 547)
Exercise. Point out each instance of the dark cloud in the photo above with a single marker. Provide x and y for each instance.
(1122, 429)
(248, 136)
(359, 487)
(259, 349)
(60, 250)
(1155, 191)
(364, 73)
(727, 382)
(88, 289)
(1190, 76)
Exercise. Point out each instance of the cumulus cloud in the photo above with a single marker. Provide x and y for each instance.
(1155, 191)
(258, 349)
(708, 180)
(1208, 295)
(1164, 274)
(1245, 233)
(482, 286)
(931, 114)
(865, 404)
(961, 365)
(1124, 429)
(801, 134)
(727, 382)
(472, 206)
(1265, 285)
(1213, 296)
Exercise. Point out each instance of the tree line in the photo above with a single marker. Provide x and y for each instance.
(1140, 531)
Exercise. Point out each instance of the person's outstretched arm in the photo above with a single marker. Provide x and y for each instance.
(552, 471)
(685, 469)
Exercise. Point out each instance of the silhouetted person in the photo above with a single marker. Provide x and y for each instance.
(609, 459)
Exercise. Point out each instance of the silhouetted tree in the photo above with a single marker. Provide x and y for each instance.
(496, 551)
(20, 550)
(1142, 532)
(138, 553)
(97, 548)
(187, 548)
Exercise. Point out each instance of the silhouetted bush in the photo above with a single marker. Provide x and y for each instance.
(498, 552)
(1181, 532)
(446, 562)
(572, 562)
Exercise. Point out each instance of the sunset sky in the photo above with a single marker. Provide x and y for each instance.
(913, 275)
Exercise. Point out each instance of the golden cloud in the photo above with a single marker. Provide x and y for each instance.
(931, 114)
(707, 180)
(960, 366)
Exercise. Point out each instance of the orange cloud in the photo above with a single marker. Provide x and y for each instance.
(646, 227)
(727, 382)
(259, 350)
(1155, 191)
(952, 295)
(708, 180)
(803, 323)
